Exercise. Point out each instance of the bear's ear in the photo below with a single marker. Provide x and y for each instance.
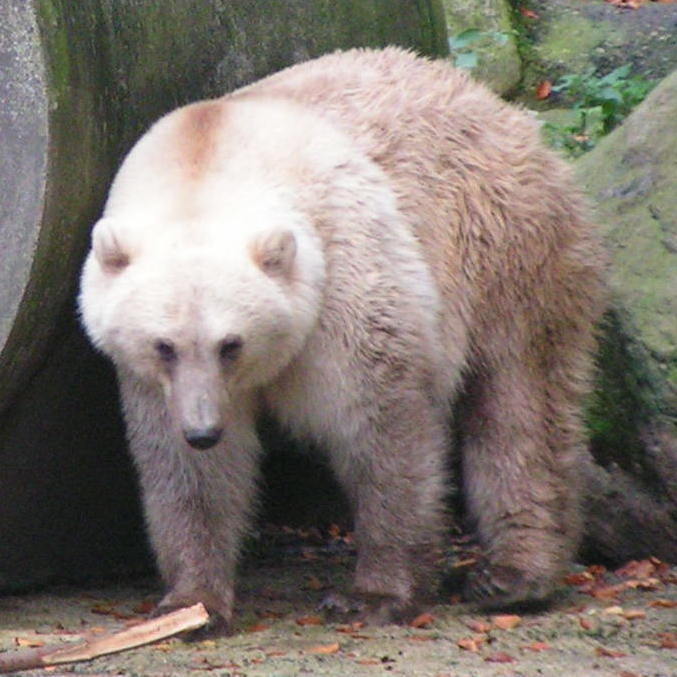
(110, 254)
(274, 252)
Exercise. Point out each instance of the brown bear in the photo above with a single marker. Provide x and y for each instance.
(350, 245)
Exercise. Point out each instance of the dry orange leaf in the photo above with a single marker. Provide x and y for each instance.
(500, 657)
(579, 578)
(664, 603)
(275, 653)
(586, 623)
(422, 621)
(28, 642)
(479, 626)
(506, 621)
(309, 620)
(637, 569)
(324, 648)
(538, 646)
(606, 591)
(668, 640)
(609, 653)
(258, 627)
(529, 13)
(314, 583)
(352, 627)
(634, 614)
(544, 90)
(471, 643)
(422, 638)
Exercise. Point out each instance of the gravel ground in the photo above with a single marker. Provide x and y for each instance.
(621, 623)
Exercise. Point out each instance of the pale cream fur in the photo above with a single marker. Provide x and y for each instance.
(375, 237)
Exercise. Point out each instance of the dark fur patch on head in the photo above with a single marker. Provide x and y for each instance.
(198, 135)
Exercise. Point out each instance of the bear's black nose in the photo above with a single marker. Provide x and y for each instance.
(203, 438)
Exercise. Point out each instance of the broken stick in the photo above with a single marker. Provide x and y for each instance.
(181, 620)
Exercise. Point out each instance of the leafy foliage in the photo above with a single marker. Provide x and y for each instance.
(460, 45)
(600, 103)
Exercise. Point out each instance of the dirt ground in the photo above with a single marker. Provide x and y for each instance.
(621, 623)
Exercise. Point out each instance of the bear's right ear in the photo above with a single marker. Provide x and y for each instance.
(107, 248)
(274, 252)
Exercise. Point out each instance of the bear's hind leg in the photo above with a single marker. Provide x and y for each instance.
(393, 473)
(521, 444)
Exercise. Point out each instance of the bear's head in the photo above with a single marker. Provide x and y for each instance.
(206, 312)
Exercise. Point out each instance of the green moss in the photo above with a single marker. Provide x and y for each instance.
(56, 48)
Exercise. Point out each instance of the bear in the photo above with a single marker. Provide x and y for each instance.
(381, 254)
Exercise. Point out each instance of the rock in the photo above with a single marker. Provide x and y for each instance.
(79, 81)
(631, 177)
(499, 63)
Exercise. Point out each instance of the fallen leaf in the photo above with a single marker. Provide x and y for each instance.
(368, 661)
(258, 627)
(596, 570)
(538, 646)
(422, 621)
(479, 626)
(421, 638)
(471, 643)
(544, 90)
(352, 627)
(500, 657)
(579, 578)
(668, 640)
(28, 642)
(314, 583)
(634, 614)
(324, 648)
(614, 611)
(586, 623)
(637, 569)
(625, 673)
(664, 603)
(529, 13)
(309, 620)
(609, 653)
(103, 609)
(275, 653)
(506, 621)
(646, 584)
(606, 591)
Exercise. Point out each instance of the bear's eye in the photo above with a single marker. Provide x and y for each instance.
(230, 347)
(165, 350)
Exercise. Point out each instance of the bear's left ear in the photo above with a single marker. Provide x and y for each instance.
(107, 248)
(274, 252)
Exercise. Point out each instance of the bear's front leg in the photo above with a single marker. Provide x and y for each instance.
(393, 473)
(197, 506)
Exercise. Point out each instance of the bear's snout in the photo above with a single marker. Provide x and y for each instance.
(204, 438)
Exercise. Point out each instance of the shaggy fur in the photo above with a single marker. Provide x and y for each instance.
(350, 244)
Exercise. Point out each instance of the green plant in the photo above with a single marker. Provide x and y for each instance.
(600, 103)
(459, 45)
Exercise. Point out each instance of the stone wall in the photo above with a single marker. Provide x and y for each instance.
(79, 82)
